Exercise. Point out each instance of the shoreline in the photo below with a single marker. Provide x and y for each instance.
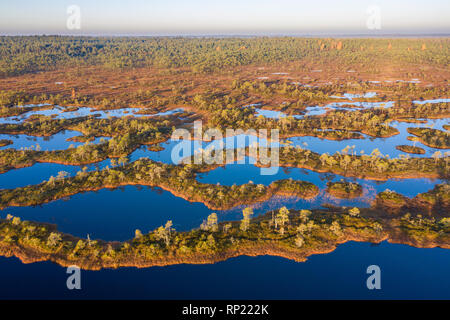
(30, 255)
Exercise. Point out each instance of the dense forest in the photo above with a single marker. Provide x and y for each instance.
(24, 54)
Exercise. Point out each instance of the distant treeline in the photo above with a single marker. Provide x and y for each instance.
(24, 54)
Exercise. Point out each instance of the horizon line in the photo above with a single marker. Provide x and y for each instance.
(230, 35)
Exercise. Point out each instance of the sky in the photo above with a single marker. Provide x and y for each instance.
(224, 17)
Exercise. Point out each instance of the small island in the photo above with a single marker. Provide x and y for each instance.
(410, 149)
(344, 189)
(433, 138)
(5, 142)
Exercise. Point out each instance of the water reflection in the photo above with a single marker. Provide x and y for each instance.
(58, 112)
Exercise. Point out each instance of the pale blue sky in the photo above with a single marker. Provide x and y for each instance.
(172, 17)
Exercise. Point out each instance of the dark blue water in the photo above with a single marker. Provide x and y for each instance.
(406, 273)
(243, 173)
(55, 142)
(59, 112)
(40, 172)
(116, 214)
(385, 145)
